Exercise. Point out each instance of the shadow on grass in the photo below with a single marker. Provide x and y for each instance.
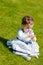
(4, 42)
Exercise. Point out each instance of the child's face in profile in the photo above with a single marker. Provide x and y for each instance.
(28, 27)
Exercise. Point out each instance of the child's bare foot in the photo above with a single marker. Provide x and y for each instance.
(28, 58)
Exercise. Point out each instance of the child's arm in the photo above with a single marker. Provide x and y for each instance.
(34, 38)
(32, 35)
(21, 35)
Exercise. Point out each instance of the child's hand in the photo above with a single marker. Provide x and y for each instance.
(33, 37)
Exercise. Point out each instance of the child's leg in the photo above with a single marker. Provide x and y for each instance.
(35, 49)
(20, 49)
(20, 46)
(35, 46)
(24, 55)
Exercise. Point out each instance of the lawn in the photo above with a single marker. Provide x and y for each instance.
(11, 13)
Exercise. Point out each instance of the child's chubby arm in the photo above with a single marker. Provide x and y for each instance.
(32, 36)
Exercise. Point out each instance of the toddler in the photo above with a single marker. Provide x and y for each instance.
(25, 43)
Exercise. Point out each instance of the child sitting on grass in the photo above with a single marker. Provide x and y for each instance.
(25, 43)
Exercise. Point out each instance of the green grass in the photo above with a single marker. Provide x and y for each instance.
(11, 13)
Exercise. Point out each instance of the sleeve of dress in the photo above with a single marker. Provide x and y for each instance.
(22, 35)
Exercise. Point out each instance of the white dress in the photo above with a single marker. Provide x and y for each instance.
(23, 44)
